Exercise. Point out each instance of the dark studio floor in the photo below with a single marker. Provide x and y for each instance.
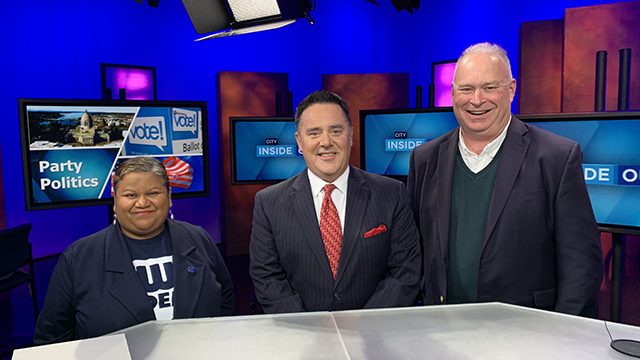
(17, 322)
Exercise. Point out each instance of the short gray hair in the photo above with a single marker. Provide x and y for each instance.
(487, 48)
(141, 164)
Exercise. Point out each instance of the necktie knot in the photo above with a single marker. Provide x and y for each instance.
(328, 189)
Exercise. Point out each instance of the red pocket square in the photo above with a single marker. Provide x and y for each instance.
(379, 230)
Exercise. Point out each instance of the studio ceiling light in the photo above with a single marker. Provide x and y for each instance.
(152, 3)
(400, 5)
(234, 17)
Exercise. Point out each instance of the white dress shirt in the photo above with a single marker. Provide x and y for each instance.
(477, 162)
(339, 194)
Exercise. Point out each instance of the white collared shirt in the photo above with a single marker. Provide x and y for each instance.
(477, 162)
(339, 194)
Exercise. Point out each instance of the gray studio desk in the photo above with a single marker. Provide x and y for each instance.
(478, 331)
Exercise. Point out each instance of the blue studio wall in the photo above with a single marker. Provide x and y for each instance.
(53, 48)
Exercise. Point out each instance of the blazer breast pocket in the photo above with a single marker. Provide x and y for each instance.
(376, 239)
(532, 195)
(376, 235)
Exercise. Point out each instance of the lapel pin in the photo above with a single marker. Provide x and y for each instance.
(191, 269)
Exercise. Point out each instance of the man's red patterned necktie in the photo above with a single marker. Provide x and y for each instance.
(331, 229)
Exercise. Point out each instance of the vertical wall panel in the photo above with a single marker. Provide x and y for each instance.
(539, 86)
(366, 92)
(242, 94)
(3, 217)
(609, 27)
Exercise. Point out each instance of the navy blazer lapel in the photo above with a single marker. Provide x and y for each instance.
(446, 161)
(307, 225)
(128, 289)
(514, 149)
(188, 275)
(358, 196)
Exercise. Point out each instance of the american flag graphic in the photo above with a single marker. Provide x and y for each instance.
(179, 171)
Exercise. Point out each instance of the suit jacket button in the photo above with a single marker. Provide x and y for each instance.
(336, 297)
(441, 299)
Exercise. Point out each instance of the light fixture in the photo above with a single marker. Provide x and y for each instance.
(400, 5)
(152, 3)
(234, 17)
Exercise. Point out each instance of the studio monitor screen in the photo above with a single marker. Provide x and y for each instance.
(610, 161)
(70, 148)
(387, 137)
(264, 150)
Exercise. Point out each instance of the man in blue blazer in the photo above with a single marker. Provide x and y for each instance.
(377, 263)
(501, 205)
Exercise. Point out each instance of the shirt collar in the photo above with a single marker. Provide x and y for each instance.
(491, 149)
(318, 184)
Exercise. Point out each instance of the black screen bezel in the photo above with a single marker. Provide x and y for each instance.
(365, 113)
(232, 140)
(590, 116)
(23, 103)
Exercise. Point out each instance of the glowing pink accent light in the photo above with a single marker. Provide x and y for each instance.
(138, 83)
(132, 80)
(443, 77)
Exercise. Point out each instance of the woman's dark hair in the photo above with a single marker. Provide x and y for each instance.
(141, 164)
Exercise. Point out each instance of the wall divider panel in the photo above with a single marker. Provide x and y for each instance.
(539, 88)
(3, 215)
(368, 92)
(242, 94)
(608, 27)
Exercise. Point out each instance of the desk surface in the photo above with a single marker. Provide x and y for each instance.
(477, 331)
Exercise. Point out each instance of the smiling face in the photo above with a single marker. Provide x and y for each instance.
(481, 95)
(141, 203)
(325, 138)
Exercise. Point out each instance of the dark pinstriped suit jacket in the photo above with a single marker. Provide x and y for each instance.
(289, 266)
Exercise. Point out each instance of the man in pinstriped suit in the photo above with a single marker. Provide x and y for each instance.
(379, 260)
